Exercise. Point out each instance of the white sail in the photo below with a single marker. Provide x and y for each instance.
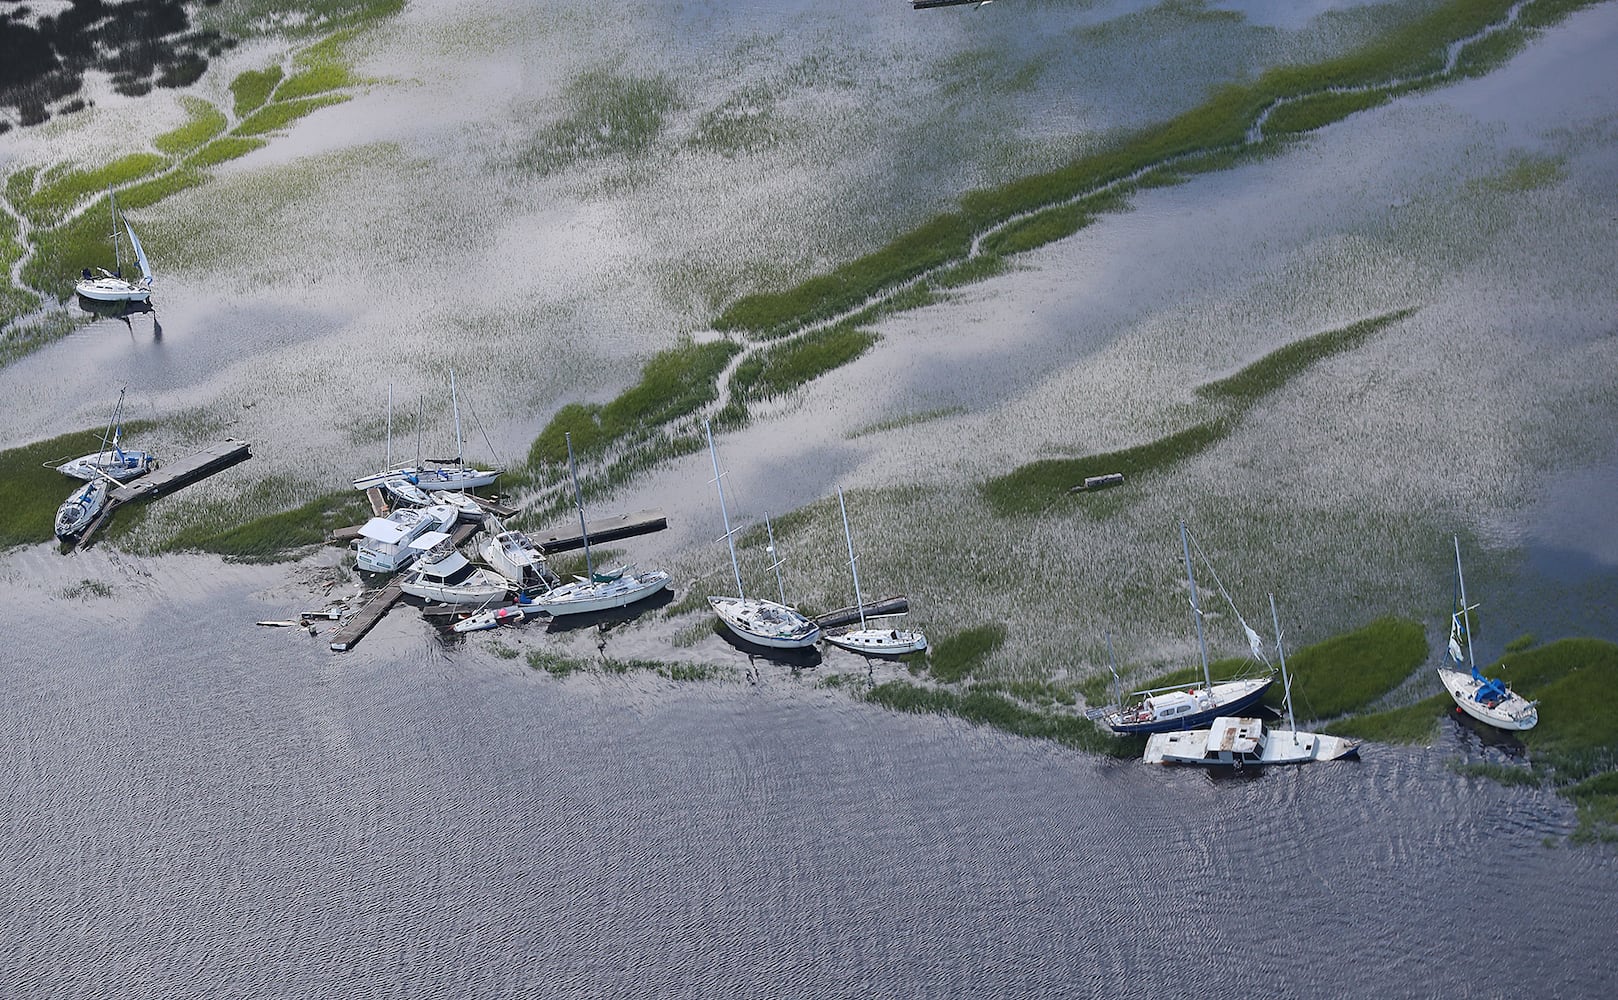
(140, 254)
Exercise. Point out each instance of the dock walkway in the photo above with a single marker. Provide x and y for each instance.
(170, 477)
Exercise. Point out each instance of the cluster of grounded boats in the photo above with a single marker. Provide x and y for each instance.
(102, 471)
(1173, 719)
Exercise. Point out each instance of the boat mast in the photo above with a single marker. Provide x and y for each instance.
(456, 404)
(117, 254)
(1196, 610)
(720, 486)
(114, 429)
(1117, 685)
(1466, 613)
(780, 587)
(578, 499)
(421, 403)
(1286, 682)
(389, 463)
(853, 566)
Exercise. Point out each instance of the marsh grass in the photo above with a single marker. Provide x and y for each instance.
(1320, 110)
(205, 122)
(62, 251)
(277, 116)
(675, 383)
(223, 150)
(990, 708)
(253, 88)
(274, 537)
(503, 651)
(31, 490)
(1410, 724)
(608, 114)
(907, 420)
(87, 588)
(780, 368)
(954, 658)
(1596, 802)
(1349, 672)
(1505, 774)
(1035, 487)
(52, 202)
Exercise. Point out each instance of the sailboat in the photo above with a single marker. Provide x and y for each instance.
(865, 639)
(597, 591)
(1166, 709)
(753, 619)
(112, 460)
(1235, 742)
(435, 474)
(111, 286)
(78, 510)
(1487, 700)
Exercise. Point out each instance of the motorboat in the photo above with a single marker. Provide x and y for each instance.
(446, 576)
(514, 555)
(385, 543)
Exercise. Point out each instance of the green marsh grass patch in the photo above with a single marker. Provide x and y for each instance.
(52, 202)
(1319, 110)
(781, 368)
(274, 537)
(223, 150)
(274, 117)
(1596, 802)
(989, 708)
(609, 114)
(206, 122)
(1349, 672)
(1410, 724)
(31, 490)
(956, 657)
(253, 88)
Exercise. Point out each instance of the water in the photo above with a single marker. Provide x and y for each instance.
(250, 816)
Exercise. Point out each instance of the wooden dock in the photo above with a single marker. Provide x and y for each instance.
(170, 477)
(362, 621)
(605, 529)
(873, 609)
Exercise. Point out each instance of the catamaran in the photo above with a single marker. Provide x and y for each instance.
(433, 474)
(865, 639)
(105, 286)
(753, 619)
(113, 459)
(597, 591)
(1166, 709)
(1485, 699)
(1235, 742)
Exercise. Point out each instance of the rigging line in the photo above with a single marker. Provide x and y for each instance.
(494, 454)
(1257, 650)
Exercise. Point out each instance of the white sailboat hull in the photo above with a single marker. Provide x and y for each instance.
(480, 590)
(122, 466)
(1513, 712)
(583, 596)
(433, 478)
(109, 289)
(765, 623)
(1239, 742)
(879, 642)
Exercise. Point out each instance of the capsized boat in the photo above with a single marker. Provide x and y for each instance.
(1234, 741)
(1488, 700)
(113, 459)
(754, 619)
(81, 508)
(111, 286)
(487, 618)
(444, 575)
(1166, 709)
(597, 591)
(384, 545)
(865, 639)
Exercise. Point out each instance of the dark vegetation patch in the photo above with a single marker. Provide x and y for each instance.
(990, 708)
(31, 489)
(780, 368)
(608, 114)
(954, 658)
(141, 43)
(1349, 672)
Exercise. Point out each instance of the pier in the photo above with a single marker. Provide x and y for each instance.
(873, 609)
(605, 529)
(170, 477)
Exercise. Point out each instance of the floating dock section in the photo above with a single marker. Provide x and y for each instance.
(362, 621)
(170, 477)
(606, 529)
(874, 609)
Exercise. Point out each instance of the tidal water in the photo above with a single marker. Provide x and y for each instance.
(243, 814)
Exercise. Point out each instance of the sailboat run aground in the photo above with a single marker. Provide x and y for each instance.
(865, 639)
(1485, 699)
(112, 286)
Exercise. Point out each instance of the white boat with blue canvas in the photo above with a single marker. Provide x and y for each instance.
(1237, 742)
(597, 591)
(867, 640)
(386, 544)
(1488, 700)
(102, 285)
(1167, 709)
(81, 508)
(112, 460)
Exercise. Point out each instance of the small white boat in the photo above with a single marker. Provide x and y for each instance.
(865, 639)
(597, 591)
(514, 555)
(489, 618)
(79, 509)
(1166, 709)
(384, 545)
(447, 577)
(112, 460)
(753, 619)
(111, 286)
(1485, 699)
(431, 475)
(1237, 742)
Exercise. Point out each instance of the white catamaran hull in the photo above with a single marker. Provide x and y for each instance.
(765, 623)
(1513, 712)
